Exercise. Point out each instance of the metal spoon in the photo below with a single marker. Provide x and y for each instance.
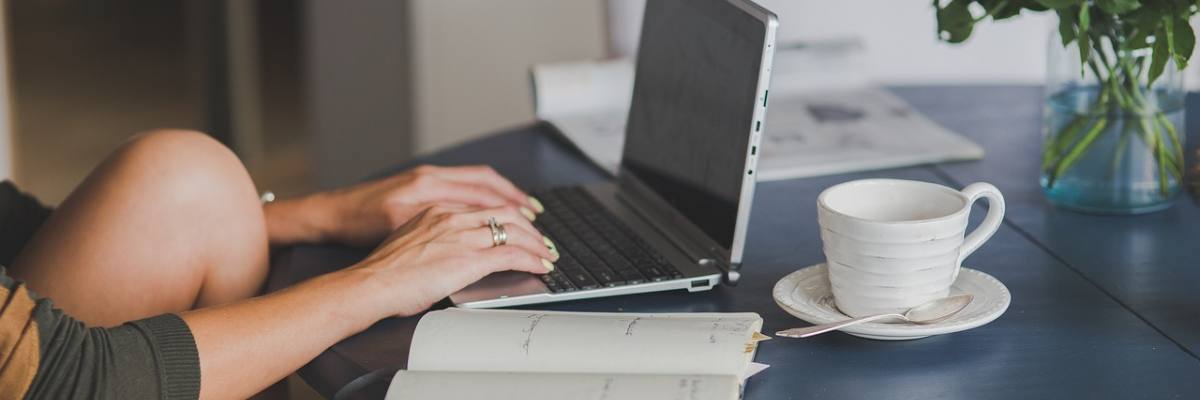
(926, 313)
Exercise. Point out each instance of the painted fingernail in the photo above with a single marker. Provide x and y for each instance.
(554, 253)
(549, 244)
(528, 214)
(546, 263)
(537, 204)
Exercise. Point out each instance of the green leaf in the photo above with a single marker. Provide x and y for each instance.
(1059, 4)
(1085, 21)
(1033, 5)
(1184, 41)
(956, 20)
(1066, 25)
(1118, 6)
(1136, 41)
(1003, 9)
(1169, 29)
(1158, 57)
(1139, 25)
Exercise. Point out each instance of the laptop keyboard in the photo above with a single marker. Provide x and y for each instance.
(596, 249)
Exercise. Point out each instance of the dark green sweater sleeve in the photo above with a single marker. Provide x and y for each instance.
(154, 358)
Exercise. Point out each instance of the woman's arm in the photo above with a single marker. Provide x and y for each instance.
(237, 349)
(246, 346)
(364, 213)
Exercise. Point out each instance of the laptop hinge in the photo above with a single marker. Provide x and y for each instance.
(730, 274)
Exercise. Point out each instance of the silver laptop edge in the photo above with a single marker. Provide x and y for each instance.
(701, 259)
(689, 238)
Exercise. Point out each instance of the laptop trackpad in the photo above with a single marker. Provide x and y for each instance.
(500, 285)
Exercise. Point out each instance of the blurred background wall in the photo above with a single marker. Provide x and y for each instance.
(86, 75)
(411, 77)
(898, 38)
(314, 94)
(6, 161)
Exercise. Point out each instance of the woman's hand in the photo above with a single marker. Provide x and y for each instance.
(365, 213)
(245, 346)
(445, 248)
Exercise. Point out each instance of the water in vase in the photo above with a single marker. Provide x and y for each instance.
(1116, 161)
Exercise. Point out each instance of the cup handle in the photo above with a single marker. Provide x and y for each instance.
(990, 224)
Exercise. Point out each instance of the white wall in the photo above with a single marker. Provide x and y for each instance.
(902, 46)
(899, 36)
(358, 87)
(471, 60)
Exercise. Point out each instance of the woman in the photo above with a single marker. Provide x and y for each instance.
(163, 248)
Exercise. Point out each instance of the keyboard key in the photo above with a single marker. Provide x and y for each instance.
(654, 274)
(597, 249)
(631, 276)
(637, 250)
(551, 283)
(608, 278)
(582, 279)
(565, 284)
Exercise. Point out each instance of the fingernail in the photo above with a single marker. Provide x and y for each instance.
(537, 204)
(528, 214)
(546, 263)
(554, 253)
(549, 244)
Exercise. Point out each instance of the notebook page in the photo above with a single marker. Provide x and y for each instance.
(544, 341)
(426, 385)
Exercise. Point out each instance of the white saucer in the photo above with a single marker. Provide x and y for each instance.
(806, 295)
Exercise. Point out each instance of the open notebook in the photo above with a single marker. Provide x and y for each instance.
(838, 123)
(543, 355)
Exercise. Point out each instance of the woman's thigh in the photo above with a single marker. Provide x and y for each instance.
(169, 222)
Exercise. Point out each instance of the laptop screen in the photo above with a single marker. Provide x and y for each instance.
(693, 104)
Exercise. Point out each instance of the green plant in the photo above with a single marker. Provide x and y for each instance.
(1125, 44)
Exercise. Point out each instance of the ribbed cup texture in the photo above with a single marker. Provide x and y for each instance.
(871, 277)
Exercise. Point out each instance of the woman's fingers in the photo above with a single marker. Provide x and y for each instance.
(503, 215)
(505, 258)
(481, 263)
(521, 238)
(448, 191)
(485, 176)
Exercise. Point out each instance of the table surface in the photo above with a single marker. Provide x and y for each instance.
(1103, 307)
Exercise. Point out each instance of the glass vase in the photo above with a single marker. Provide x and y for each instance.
(1112, 143)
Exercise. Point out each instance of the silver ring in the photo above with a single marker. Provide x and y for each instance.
(499, 235)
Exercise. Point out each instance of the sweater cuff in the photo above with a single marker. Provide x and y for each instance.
(175, 352)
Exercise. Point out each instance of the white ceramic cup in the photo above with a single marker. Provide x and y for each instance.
(892, 244)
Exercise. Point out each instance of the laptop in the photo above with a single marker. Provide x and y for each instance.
(675, 218)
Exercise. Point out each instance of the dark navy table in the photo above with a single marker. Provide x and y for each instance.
(1103, 307)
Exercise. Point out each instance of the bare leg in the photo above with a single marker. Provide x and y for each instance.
(168, 223)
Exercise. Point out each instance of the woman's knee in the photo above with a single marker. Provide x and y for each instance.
(201, 182)
(187, 165)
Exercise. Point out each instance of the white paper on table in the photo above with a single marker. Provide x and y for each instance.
(824, 116)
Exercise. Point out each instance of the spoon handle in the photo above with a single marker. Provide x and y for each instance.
(832, 326)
